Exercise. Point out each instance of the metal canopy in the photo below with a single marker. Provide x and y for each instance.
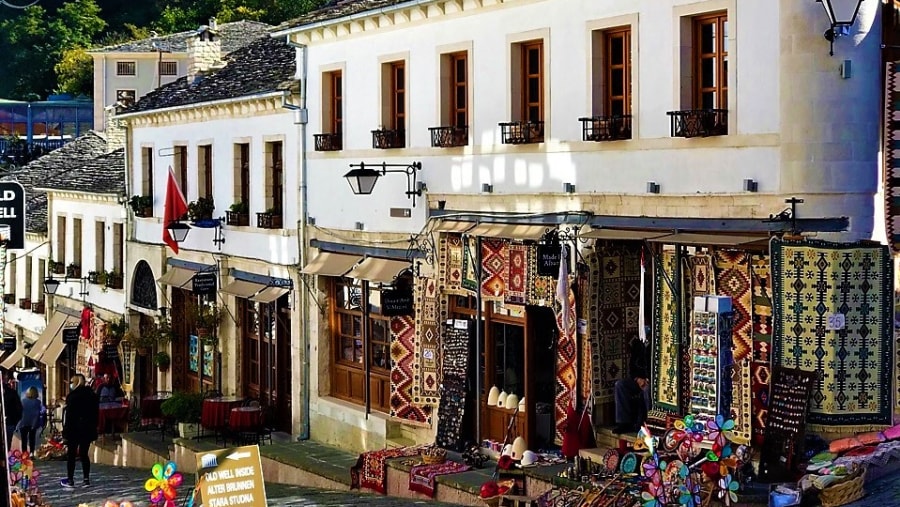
(243, 288)
(176, 277)
(331, 264)
(622, 234)
(13, 359)
(53, 352)
(452, 226)
(269, 294)
(709, 239)
(50, 332)
(510, 231)
(378, 270)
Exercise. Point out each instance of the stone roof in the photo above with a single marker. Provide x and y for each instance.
(265, 65)
(233, 35)
(334, 9)
(84, 160)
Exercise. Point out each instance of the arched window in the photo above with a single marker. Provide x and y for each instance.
(143, 287)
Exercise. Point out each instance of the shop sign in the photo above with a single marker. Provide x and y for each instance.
(111, 352)
(9, 343)
(396, 302)
(71, 334)
(230, 478)
(12, 214)
(204, 283)
(548, 257)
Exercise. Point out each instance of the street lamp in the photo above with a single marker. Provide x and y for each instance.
(841, 14)
(362, 178)
(51, 285)
(178, 231)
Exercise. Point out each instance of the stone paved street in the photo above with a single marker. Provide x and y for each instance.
(116, 483)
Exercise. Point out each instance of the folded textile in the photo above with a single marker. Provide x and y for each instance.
(369, 470)
(422, 477)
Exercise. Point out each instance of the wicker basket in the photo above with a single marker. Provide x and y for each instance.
(429, 459)
(845, 492)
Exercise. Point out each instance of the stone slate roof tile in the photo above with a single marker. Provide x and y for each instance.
(334, 9)
(103, 174)
(265, 65)
(234, 36)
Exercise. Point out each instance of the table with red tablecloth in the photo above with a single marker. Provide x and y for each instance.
(151, 409)
(215, 411)
(245, 419)
(112, 416)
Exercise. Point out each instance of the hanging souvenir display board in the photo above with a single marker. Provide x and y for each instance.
(786, 424)
(455, 356)
(712, 358)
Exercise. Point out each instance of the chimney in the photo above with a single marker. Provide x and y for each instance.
(204, 50)
(115, 130)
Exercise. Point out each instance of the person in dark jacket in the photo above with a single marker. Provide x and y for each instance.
(79, 428)
(31, 419)
(12, 406)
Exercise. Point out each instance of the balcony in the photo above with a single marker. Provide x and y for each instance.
(114, 280)
(606, 128)
(9, 299)
(25, 304)
(699, 122)
(38, 307)
(58, 267)
(73, 271)
(268, 220)
(385, 139)
(522, 132)
(449, 137)
(329, 142)
(239, 218)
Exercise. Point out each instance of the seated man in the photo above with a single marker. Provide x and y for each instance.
(632, 397)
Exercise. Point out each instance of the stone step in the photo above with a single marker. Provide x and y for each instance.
(396, 442)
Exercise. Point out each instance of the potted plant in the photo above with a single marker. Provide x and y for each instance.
(57, 267)
(93, 276)
(201, 209)
(205, 317)
(141, 205)
(73, 271)
(142, 342)
(113, 280)
(115, 331)
(162, 360)
(185, 409)
(238, 214)
(271, 219)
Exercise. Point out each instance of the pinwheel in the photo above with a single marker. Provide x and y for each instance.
(653, 468)
(728, 489)
(720, 429)
(163, 485)
(21, 469)
(654, 496)
(689, 492)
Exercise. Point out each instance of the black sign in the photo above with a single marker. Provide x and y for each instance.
(548, 257)
(71, 334)
(9, 343)
(284, 283)
(204, 283)
(110, 352)
(396, 302)
(12, 214)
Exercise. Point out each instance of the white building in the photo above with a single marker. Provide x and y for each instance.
(232, 145)
(123, 73)
(643, 116)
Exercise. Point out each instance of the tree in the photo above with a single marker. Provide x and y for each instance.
(75, 72)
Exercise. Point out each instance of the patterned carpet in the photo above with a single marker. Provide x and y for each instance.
(667, 351)
(469, 270)
(814, 281)
(733, 280)
(369, 470)
(702, 279)
(450, 264)
(517, 274)
(566, 355)
(495, 268)
(403, 332)
(761, 364)
(427, 346)
(541, 289)
(615, 281)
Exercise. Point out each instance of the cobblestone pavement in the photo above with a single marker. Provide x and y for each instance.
(119, 483)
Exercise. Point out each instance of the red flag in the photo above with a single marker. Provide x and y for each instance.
(175, 208)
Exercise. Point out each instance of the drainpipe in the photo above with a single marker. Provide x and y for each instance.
(302, 236)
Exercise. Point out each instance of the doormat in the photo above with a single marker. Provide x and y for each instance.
(403, 332)
(427, 346)
(833, 314)
(666, 349)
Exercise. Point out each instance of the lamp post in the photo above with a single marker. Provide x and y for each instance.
(362, 178)
(842, 15)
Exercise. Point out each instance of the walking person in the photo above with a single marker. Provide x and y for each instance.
(31, 419)
(79, 428)
(12, 405)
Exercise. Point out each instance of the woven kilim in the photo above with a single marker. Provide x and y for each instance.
(585, 363)
(615, 279)
(666, 349)
(733, 280)
(541, 289)
(422, 477)
(566, 355)
(495, 268)
(403, 332)
(517, 276)
(813, 282)
(760, 366)
(469, 269)
(427, 345)
(892, 154)
(450, 264)
(370, 468)
(702, 281)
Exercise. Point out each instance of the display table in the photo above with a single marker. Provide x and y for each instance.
(113, 415)
(215, 411)
(245, 419)
(151, 409)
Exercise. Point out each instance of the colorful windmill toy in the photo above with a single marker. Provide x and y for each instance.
(163, 486)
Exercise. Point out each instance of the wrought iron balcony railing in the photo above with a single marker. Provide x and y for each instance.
(385, 139)
(522, 132)
(606, 128)
(329, 142)
(449, 137)
(699, 122)
(268, 220)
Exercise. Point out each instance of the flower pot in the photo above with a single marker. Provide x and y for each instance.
(163, 367)
(188, 430)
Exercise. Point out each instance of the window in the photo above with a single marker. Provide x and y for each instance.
(168, 68)
(181, 170)
(611, 64)
(147, 172)
(28, 275)
(532, 91)
(458, 96)
(76, 242)
(118, 248)
(242, 173)
(42, 275)
(617, 78)
(710, 49)
(205, 171)
(99, 246)
(334, 102)
(126, 68)
(60, 253)
(274, 178)
(397, 118)
(125, 98)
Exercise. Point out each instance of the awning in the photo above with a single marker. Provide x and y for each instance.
(511, 231)
(50, 332)
(709, 239)
(622, 234)
(378, 270)
(243, 288)
(269, 294)
(452, 226)
(176, 277)
(13, 359)
(331, 264)
(53, 352)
